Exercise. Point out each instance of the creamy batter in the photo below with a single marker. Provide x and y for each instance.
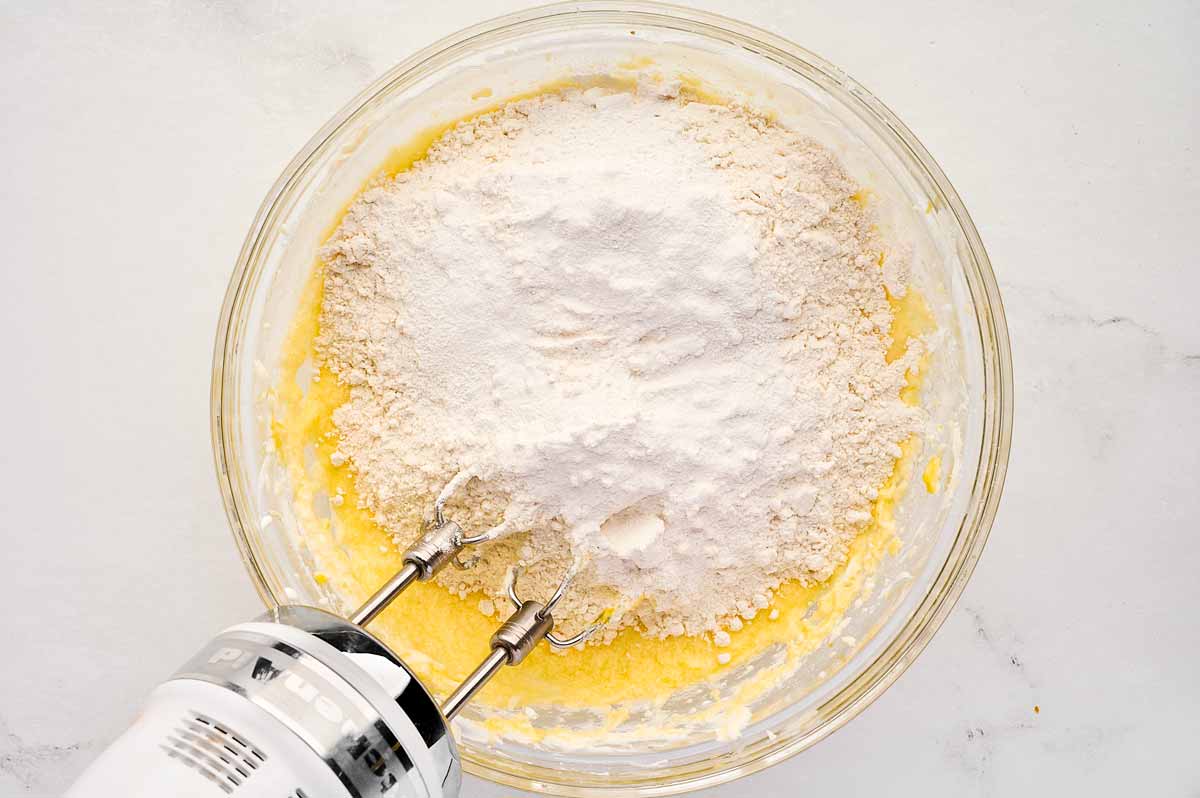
(429, 627)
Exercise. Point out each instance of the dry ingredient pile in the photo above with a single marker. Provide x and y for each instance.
(652, 332)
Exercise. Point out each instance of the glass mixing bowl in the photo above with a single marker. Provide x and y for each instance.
(968, 388)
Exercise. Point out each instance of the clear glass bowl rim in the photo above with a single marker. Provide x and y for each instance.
(988, 481)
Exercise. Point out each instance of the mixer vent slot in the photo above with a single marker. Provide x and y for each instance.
(221, 755)
(298, 793)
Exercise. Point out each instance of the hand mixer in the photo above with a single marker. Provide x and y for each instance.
(305, 704)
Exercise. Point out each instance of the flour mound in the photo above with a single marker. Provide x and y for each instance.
(654, 330)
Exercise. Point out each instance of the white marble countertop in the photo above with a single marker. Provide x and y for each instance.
(139, 142)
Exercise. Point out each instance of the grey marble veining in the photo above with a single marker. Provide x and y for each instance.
(139, 140)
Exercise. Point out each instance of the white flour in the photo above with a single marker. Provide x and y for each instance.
(654, 330)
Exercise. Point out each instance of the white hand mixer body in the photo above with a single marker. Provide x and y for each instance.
(305, 704)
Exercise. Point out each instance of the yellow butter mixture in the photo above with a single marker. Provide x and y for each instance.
(443, 637)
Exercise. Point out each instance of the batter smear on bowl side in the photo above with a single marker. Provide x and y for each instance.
(654, 339)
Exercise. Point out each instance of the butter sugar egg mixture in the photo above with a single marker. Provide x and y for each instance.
(656, 341)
